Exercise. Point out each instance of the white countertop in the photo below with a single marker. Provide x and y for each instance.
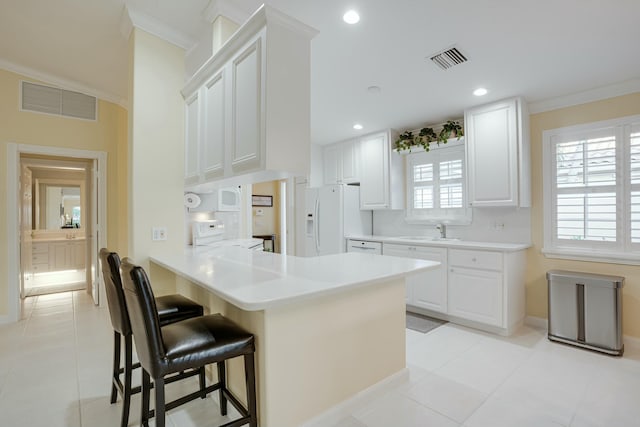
(457, 244)
(256, 280)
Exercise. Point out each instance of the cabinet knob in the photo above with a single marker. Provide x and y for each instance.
(473, 259)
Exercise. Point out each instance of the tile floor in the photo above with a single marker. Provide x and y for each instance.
(55, 369)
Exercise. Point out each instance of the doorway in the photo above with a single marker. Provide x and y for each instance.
(60, 239)
(53, 244)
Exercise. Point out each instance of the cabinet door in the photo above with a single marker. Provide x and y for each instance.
(430, 287)
(476, 295)
(427, 289)
(214, 128)
(247, 108)
(350, 162)
(332, 165)
(59, 256)
(79, 251)
(374, 185)
(492, 154)
(192, 138)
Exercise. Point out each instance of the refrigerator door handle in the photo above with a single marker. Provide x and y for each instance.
(317, 228)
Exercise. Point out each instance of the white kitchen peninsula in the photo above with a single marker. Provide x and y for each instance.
(326, 327)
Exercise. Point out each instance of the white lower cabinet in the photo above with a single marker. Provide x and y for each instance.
(58, 256)
(476, 295)
(473, 287)
(428, 289)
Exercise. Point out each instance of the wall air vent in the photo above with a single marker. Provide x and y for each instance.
(61, 102)
(448, 58)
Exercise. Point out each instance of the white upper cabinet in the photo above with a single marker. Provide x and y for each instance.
(212, 153)
(381, 173)
(350, 160)
(497, 139)
(332, 164)
(248, 106)
(192, 139)
(342, 163)
(247, 103)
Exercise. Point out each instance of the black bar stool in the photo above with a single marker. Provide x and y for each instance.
(191, 343)
(171, 308)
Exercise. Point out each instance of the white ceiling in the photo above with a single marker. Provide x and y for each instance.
(539, 49)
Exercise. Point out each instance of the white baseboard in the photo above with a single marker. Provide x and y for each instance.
(343, 409)
(631, 342)
(536, 322)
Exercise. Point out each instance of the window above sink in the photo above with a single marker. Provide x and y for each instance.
(436, 186)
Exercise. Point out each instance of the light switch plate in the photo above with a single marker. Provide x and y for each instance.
(159, 233)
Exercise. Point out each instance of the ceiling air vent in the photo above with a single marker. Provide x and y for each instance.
(61, 102)
(448, 58)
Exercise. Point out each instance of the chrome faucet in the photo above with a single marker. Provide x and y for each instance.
(443, 230)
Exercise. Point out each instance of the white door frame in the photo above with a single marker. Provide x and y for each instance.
(13, 222)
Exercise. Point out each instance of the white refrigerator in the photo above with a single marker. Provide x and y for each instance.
(330, 213)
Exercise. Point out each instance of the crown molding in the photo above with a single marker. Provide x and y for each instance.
(157, 28)
(227, 9)
(591, 95)
(62, 82)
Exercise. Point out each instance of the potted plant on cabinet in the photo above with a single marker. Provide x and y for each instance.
(450, 129)
(407, 140)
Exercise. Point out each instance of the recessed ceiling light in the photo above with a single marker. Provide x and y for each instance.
(351, 17)
(357, 126)
(374, 89)
(480, 91)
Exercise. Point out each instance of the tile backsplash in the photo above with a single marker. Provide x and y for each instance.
(500, 225)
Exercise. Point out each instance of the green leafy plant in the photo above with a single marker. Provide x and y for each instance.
(407, 140)
(450, 129)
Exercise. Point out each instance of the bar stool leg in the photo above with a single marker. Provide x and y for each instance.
(250, 376)
(116, 366)
(128, 371)
(158, 384)
(222, 379)
(203, 383)
(146, 391)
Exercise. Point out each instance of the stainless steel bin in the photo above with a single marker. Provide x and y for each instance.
(585, 310)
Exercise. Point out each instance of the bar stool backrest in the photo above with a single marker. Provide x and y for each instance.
(110, 262)
(143, 314)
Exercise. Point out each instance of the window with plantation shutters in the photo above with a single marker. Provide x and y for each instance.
(592, 191)
(436, 186)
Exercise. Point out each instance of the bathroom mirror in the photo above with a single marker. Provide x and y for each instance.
(57, 205)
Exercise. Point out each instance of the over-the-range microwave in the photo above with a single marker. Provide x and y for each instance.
(221, 200)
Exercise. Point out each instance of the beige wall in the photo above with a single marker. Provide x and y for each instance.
(156, 150)
(105, 134)
(269, 222)
(537, 264)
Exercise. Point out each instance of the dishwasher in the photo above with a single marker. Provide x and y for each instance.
(364, 246)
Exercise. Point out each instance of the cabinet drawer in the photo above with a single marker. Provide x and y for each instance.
(40, 258)
(39, 248)
(40, 268)
(475, 259)
(411, 251)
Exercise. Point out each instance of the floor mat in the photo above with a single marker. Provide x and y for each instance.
(424, 324)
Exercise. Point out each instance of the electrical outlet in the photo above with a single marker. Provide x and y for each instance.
(159, 233)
